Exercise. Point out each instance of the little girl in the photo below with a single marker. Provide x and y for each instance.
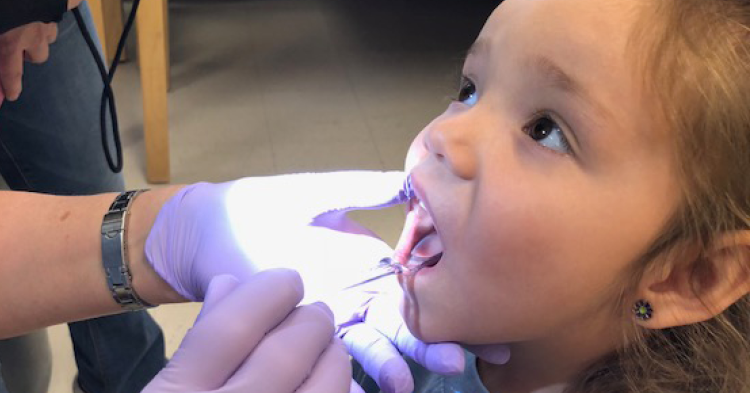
(588, 193)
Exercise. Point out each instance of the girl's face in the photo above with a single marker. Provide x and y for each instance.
(544, 179)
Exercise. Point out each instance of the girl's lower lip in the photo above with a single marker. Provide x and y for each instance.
(427, 270)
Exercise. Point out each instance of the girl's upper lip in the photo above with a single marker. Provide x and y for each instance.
(421, 196)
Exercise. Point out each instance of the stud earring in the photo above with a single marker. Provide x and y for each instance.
(643, 310)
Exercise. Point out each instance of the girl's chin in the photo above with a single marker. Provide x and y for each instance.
(419, 324)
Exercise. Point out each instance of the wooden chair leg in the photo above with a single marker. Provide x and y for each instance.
(107, 15)
(166, 43)
(152, 56)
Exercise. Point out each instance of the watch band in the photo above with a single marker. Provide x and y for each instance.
(114, 253)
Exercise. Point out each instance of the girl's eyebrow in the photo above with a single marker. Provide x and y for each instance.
(558, 78)
(552, 72)
(478, 47)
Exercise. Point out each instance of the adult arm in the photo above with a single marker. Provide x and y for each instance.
(50, 258)
(51, 269)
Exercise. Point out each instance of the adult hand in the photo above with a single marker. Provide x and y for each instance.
(377, 336)
(253, 224)
(373, 336)
(294, 221)
(74, 3)
(30, 42)
(250, 337)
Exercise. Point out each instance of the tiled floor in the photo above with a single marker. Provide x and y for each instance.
(263, 87)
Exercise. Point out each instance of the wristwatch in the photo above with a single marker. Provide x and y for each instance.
(114, 253)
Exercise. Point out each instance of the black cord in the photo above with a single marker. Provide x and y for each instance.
(108, 97)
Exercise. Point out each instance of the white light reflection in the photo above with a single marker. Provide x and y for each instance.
(270, 220)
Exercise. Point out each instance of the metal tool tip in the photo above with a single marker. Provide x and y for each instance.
(407, 192)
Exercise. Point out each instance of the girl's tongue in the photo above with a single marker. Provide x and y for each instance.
(419, 240)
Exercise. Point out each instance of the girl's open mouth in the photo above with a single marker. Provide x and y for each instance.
(420, 243)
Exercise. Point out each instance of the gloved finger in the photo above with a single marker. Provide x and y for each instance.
(441, 358)
(11, 74)
(218, 289)
(332, 373)
(339, 221)
(495, 354)
(220, 342)
(323, 192)
(379, 358)
(362, 190)
(286, 356)
(355, 388)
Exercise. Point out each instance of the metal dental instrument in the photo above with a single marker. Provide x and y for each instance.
(386, 267)
(407, 192)
(389, 267)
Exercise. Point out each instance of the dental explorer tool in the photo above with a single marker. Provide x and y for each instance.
(389, 267)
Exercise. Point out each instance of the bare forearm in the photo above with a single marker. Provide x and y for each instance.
(50, 258)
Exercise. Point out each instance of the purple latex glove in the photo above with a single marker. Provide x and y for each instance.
(293, 221)
(491, 353)
(251, 337)
(253, 224)
(376, 336)
(377, 333)
(377, 329)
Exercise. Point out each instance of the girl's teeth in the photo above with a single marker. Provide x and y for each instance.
(428, 246)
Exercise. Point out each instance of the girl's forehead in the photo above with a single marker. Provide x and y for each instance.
(589, 42)
(609, 22)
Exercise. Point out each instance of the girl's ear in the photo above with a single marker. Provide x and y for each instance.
(690, 291)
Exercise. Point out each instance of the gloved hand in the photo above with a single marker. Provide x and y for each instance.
(250, 337)
(293, 221)
(377, 329)
(253, 224)
(377, 335)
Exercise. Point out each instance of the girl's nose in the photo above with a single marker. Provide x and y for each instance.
(452, 142)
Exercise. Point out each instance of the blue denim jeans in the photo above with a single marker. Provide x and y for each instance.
(50, 142)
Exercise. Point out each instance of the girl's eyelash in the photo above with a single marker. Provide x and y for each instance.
(543, 127)
(530, 129)
(463, 83)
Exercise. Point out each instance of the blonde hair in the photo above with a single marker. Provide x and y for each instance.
(695, 57)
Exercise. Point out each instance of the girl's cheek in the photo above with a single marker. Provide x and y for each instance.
(416, 153)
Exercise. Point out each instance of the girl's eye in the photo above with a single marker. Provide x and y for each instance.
(549, 134)
(467, 93)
